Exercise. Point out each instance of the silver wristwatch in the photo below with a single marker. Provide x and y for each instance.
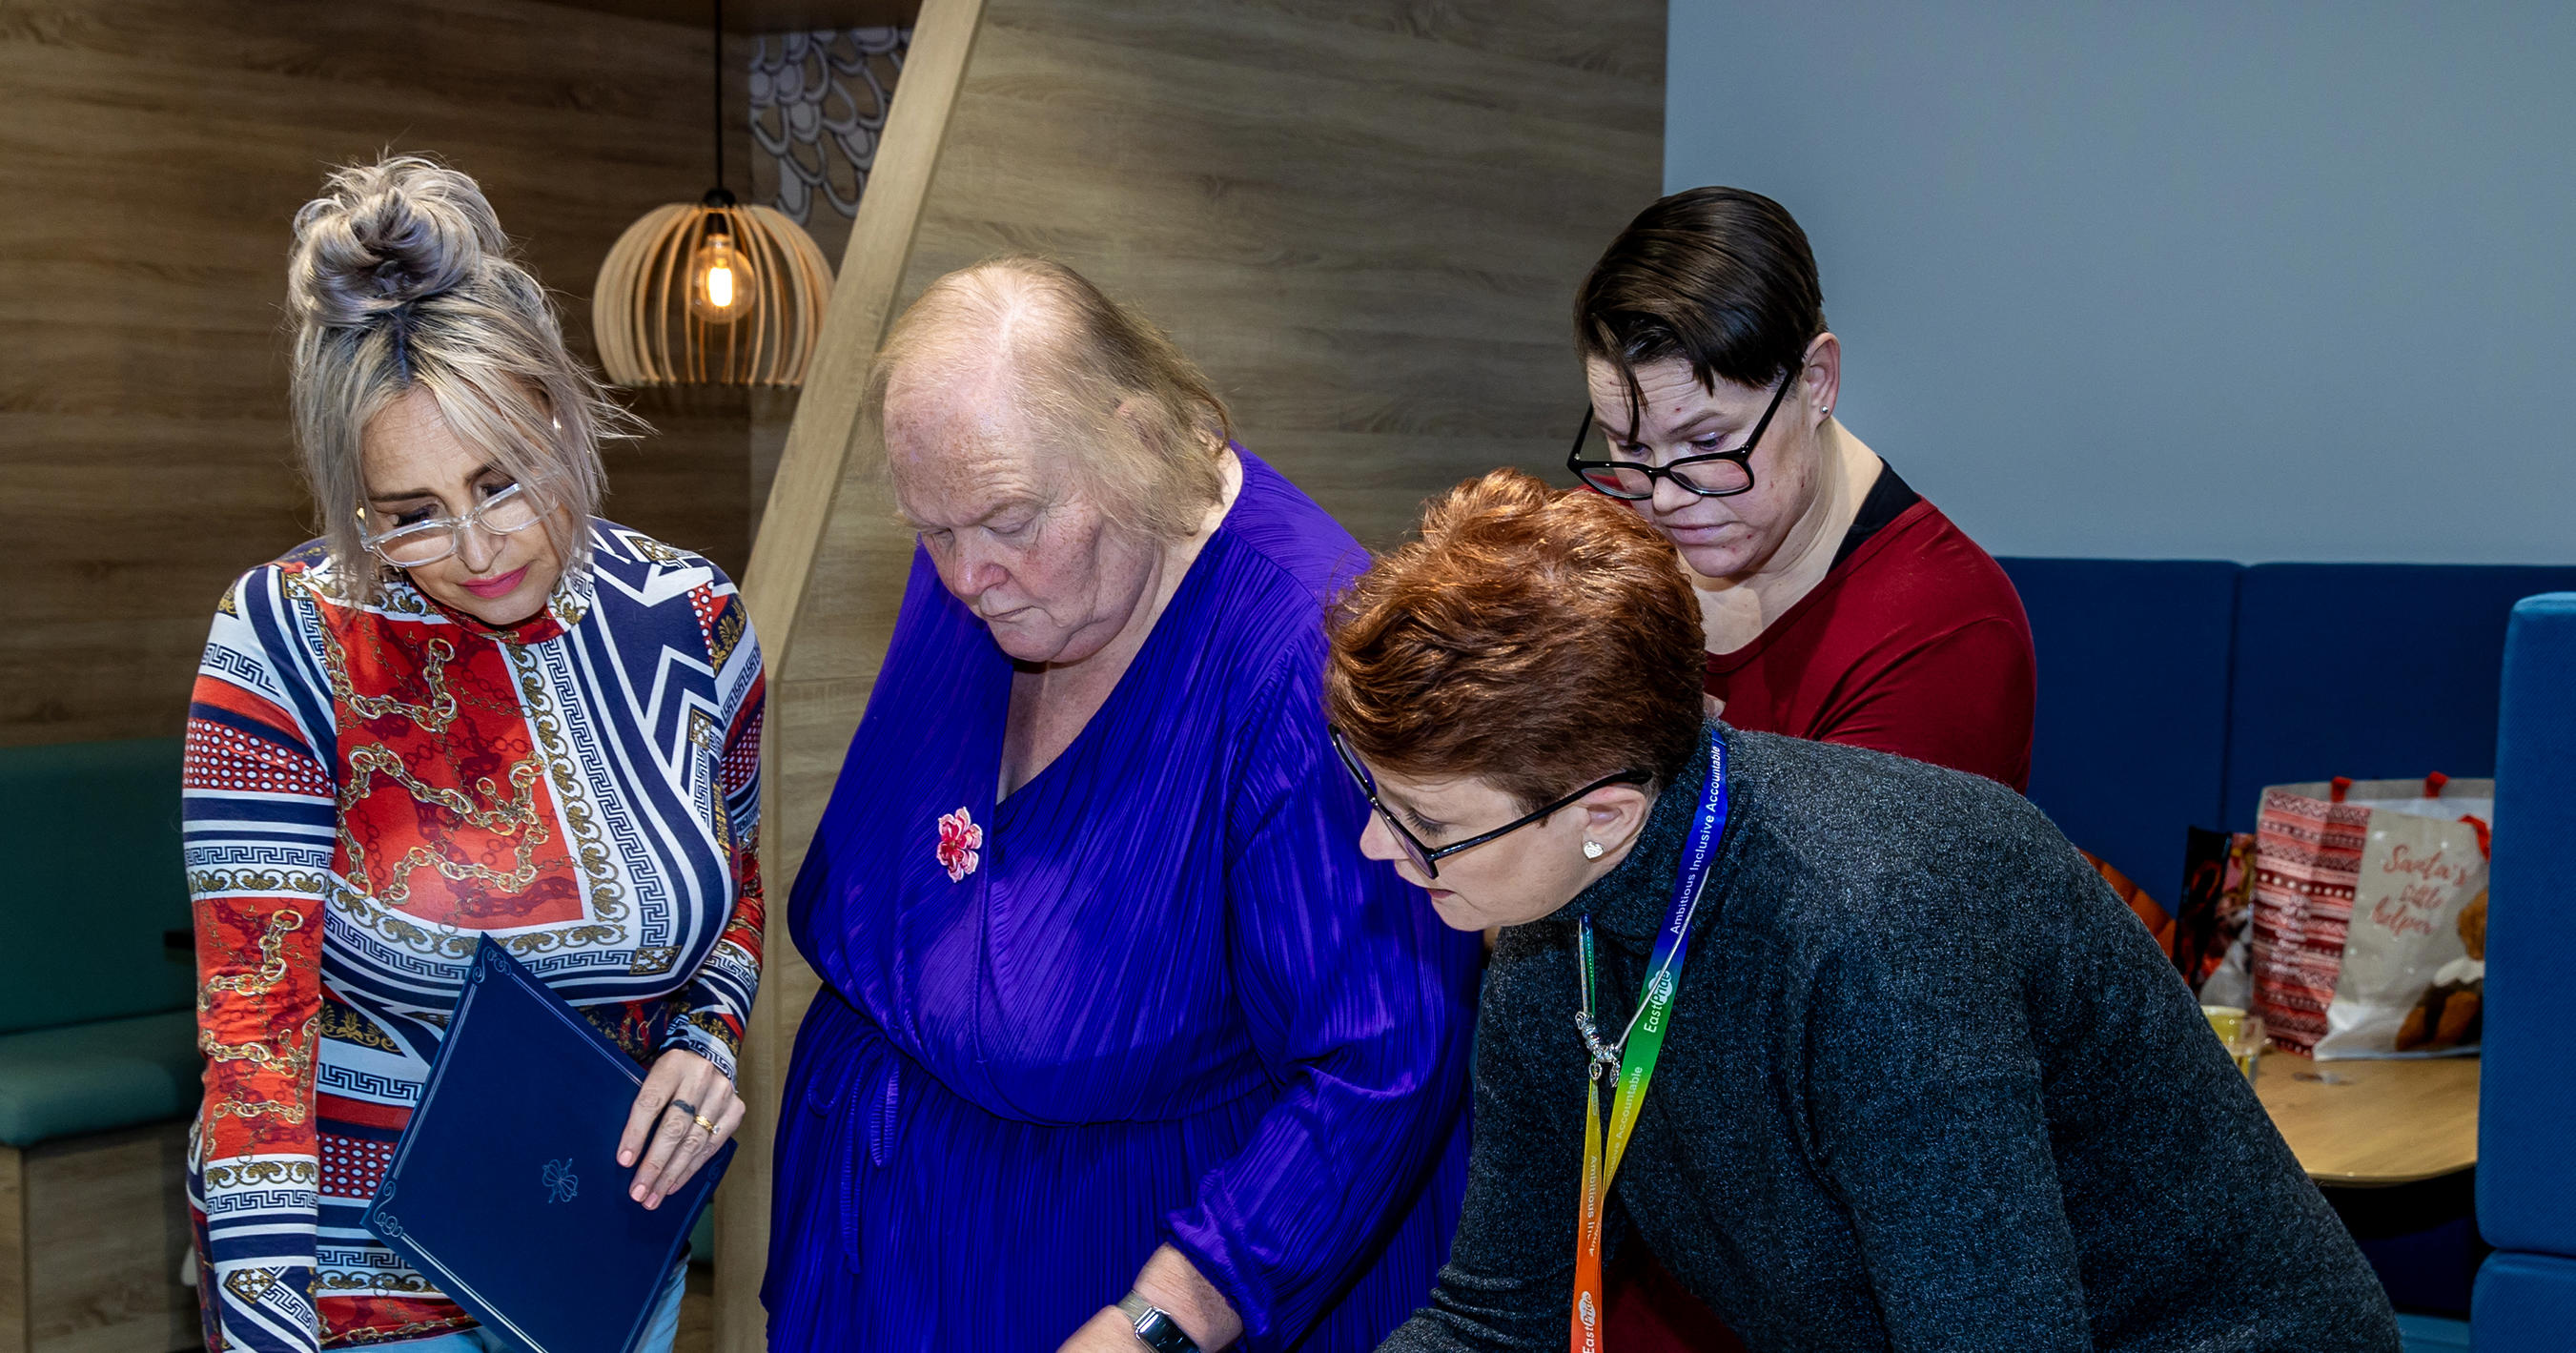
(1157, 1331)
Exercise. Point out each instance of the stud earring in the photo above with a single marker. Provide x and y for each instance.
(1592, 850)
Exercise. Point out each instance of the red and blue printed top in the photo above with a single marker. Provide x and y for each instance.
(368, 790)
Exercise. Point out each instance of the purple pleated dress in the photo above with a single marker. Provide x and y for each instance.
(1157, 995)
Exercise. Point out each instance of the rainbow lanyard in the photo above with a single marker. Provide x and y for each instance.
(1634, 1054)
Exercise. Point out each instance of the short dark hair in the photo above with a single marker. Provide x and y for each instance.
(1718, 277)
(1537, 638)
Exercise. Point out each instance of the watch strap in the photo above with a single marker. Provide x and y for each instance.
(1156, 1329)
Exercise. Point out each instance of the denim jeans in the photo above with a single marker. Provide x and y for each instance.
(658, 1334)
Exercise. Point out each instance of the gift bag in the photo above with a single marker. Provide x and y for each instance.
(2209, 945)
(2368, 936)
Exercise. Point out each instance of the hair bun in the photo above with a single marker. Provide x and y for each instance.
(388, 234)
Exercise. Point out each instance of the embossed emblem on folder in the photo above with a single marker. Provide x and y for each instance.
(562, 1185)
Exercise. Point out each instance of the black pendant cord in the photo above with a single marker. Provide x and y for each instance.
(717, 196)
(715, 80)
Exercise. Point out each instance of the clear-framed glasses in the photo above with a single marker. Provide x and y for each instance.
(1427, 858)
(1717, 474)
(413, 544)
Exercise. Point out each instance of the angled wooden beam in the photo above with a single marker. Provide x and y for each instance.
(802, 501)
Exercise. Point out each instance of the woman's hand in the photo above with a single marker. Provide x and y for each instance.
(1172, 1286)
(685, 1111)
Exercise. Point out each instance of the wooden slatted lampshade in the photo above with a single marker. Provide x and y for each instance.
(710, 293)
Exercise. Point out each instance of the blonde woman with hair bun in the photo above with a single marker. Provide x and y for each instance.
(470, 708)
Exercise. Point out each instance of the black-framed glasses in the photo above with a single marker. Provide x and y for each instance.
(1717, 474)
(1427, 858)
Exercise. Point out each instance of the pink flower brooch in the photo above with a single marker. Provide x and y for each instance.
(959, 840)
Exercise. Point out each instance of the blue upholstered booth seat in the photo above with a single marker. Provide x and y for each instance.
(2172, 691)
(2525, 1303)
(2131, 741)
(2368, 670)
(2526, 1293)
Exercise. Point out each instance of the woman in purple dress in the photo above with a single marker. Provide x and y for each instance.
(1120, 1044)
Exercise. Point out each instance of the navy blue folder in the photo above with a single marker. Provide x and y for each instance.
(505, 1190)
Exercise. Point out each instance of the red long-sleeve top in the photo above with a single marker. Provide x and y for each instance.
(1914, 643)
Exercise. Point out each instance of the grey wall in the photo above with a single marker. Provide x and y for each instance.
(2186, 279)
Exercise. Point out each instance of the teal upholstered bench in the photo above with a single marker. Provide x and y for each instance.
(98, 1065)
(97, 1077)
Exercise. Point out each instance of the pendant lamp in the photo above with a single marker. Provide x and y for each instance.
(712, 292)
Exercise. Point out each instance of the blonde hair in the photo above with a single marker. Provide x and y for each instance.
(1102, 384)
(400, 278)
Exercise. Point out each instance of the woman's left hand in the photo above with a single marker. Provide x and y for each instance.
(686, 1110)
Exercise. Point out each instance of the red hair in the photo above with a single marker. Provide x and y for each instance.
(1538, 639)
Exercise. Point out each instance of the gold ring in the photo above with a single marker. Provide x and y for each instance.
(710, 1127)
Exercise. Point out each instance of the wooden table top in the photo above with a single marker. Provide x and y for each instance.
(2375, 1123)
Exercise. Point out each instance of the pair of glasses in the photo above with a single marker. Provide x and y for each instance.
(1717, 474)
(508, 512)
(1427, 858)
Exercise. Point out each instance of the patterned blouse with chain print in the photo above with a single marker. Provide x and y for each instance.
(368, 790)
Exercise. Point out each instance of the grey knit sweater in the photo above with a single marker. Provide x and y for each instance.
(1928, 1086)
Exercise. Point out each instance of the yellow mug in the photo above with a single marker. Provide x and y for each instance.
(2240, 1031)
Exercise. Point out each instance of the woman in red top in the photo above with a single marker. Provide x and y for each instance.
(1838, 604)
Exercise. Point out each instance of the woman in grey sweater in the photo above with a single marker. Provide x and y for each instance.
(1894, 1069)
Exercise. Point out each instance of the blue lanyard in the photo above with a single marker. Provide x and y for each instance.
(1635, 1053)
(1672, 944)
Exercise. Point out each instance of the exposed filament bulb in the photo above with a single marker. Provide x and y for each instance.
(720, 280)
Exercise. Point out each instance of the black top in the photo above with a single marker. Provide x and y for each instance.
(1887, 498)
(1929, 1085)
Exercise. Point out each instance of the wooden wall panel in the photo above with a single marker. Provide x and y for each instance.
(13, 1250)
(1365, 218)
(151, 155)
(1369, 231)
